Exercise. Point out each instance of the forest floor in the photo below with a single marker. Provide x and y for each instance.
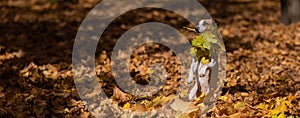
(36, 43)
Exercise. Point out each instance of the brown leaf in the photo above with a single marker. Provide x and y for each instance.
(6, 113)
(239, 115)
(138, 108)
(120, 95)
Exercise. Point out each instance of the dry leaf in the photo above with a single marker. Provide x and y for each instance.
(120, 95)
(223, 98)
(126, 105)
(179, 105)
(239, 105)
(239, 115)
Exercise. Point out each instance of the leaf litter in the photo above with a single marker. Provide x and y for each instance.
(263, 63)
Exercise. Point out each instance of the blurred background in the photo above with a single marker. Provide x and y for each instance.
(262, 39)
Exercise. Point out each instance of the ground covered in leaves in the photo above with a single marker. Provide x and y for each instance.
(263, 62)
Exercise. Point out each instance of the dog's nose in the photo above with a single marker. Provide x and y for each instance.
(200, 28)
(197, 29)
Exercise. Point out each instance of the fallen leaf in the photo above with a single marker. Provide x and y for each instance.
(239, 115)
(138, 107)
(263, 106)
(126, 105)
(239, 105)
(120, 95)
(281, 115)
(223, 98)
(1, 88)
(179, 105)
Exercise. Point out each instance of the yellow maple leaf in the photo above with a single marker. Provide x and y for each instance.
(282, 105)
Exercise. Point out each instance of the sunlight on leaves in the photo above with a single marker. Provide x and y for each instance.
(276, 107)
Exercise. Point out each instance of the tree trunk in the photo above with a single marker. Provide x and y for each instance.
(290, 11)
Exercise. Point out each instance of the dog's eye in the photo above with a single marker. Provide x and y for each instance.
(204, 23)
